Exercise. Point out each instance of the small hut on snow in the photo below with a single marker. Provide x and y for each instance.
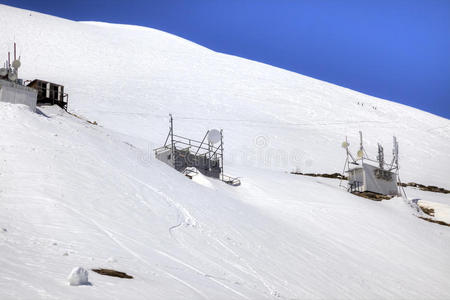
(368, 175)
(37, 92)
(368, 178)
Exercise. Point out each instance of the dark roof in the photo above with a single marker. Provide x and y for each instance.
(40, 80)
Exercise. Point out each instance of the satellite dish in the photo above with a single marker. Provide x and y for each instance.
(3, 72)
(345, 145)
(16, 64)
(12, 76)
(214, 136)
(360, 154)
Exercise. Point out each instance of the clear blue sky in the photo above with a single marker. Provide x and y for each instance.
(397, 50)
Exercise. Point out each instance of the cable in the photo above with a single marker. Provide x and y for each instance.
(317, 123)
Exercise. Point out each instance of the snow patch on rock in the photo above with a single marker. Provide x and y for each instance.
(78, 276)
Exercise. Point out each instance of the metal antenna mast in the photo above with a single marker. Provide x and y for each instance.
(394, 164)
(361, 147)
(221, 154)
(172, 157)
(346, 145)
(396, 151)
(380, 156)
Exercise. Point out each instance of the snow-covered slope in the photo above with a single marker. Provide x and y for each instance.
(75, 194)
(130, 78)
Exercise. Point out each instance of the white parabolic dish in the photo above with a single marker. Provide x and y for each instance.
(16, 64)
(12, 76)
(214, 136)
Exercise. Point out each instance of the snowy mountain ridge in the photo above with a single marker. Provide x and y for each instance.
(75, 194)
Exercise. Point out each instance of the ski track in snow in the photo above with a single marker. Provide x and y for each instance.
(188, 216)
(201, 273)
(110, 235)
(188, 266)
(252, 272)
(188, 219)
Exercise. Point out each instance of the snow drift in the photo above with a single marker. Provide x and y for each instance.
(78, 276)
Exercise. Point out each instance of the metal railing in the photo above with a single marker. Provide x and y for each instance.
(205, 156)
(199, 146)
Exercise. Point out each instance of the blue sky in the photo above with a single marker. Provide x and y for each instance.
(397, 50)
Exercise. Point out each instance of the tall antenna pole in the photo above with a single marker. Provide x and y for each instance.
(360, 141)
(361, 148)
(15, 51)
(395, 154)
(9, 59)
(221, 152)
(209, 155)
(348, 153)
(346, 163)
(171, 140)
(380, 156)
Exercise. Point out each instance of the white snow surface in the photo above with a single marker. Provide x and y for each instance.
(441, 211)
(72, 193)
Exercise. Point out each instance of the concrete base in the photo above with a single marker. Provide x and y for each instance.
(18, 94)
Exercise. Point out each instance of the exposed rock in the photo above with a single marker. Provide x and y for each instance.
(113, 273)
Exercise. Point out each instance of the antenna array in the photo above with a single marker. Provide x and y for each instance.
(361, 155)
(10, 70)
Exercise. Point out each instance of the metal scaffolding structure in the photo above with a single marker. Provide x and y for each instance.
(206, 155)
